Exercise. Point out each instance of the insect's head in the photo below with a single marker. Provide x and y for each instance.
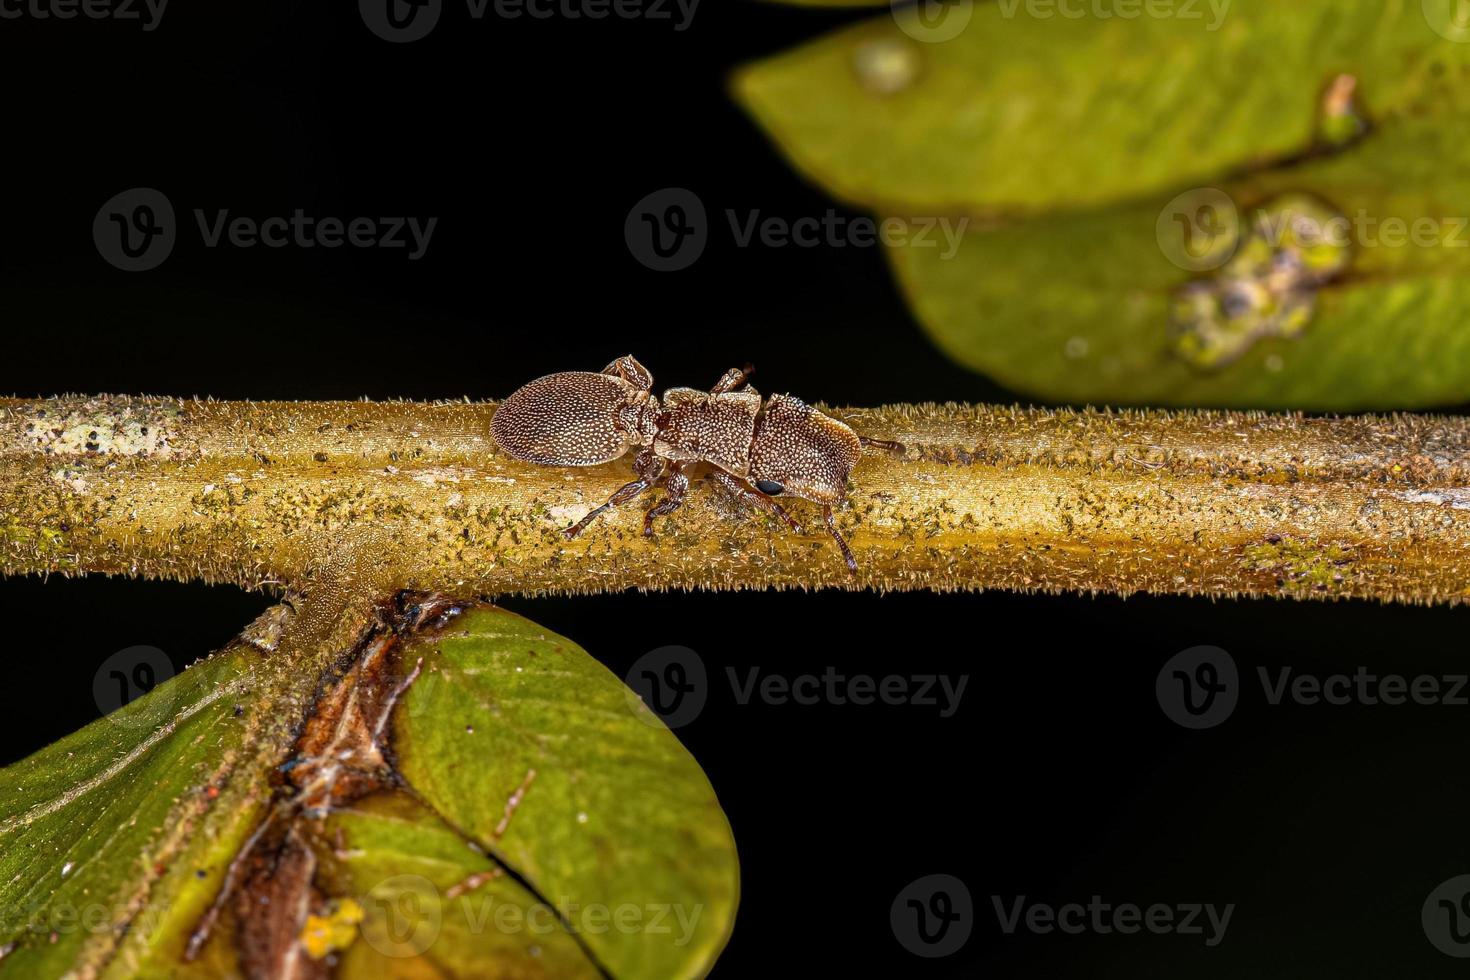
(800, 452)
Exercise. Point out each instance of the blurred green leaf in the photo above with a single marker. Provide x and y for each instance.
(1077, 307)
(1073, 154)
(1017, 114)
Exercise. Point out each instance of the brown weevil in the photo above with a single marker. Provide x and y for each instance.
(757, 449)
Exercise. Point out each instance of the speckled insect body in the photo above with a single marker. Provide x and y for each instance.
(758, 449)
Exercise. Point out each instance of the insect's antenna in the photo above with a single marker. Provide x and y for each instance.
(837, 536)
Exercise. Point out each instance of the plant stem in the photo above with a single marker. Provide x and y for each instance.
(418, 496)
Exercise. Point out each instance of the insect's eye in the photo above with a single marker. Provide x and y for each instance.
(769, 487)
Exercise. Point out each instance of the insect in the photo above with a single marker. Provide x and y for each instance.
(758, 449)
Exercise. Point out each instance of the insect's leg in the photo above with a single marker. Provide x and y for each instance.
(647, 466)
(628, 368)
(677, 486)
(732, 379)
(893, 447)
(837, 536)
(624, 494)
(740, 491)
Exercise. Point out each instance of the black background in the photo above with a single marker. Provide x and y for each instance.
(1058, 778)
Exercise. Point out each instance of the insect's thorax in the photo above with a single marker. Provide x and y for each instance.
(695, 425)
(637, 419)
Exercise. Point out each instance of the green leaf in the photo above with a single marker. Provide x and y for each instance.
(1080, 307)
(404, 864)
(86, 823)
(990, 110)
(1075, 155)
(115, 843)
(612, 814)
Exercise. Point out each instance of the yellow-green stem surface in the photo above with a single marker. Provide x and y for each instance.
(262, 494)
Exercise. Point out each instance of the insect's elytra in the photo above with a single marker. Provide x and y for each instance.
(758, 449)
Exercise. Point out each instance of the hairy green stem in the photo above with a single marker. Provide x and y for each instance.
(266, 494)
